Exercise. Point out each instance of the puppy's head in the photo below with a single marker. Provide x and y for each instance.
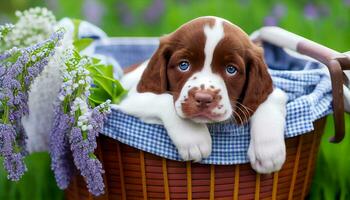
(212, 69)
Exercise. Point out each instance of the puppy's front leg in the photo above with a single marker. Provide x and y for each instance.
(267, 151)
(192, 140)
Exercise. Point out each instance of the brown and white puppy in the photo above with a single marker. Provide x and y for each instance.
(209, 71)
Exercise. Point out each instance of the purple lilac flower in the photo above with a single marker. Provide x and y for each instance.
(13, 161)
(270, 21)
(15, 69)
(8, 53)
(5, 55)
(93, 11)
(7, 137)
(61, 160)
(2, 71)
(12, 88)
(57, 35)
(14, 115)
(279, 10)
(11, 83)
(125, 14)
(22, 138)
(15, 166)
(154, 12)
(346, 2)
(24, 58)
(90, 167)
(311, 12)
(19, 100)
(8, 94)
(97, 120)
(35, 69)
(83, 144)
(87, 123)
(14, 94)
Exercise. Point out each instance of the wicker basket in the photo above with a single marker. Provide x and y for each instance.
(134, 174)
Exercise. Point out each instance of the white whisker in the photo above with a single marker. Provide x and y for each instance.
(244, 114)
(238, 116)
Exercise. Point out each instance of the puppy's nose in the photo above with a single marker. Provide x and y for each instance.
(203, 98)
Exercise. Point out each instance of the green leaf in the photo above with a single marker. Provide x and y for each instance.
(120, 96)
(76, 23)
(102, 76)
(116, 83)
(98, 95)
(103, 83)
(93, 70)
(81, 44)
(105, 70)
(13, 58)
(95, 60)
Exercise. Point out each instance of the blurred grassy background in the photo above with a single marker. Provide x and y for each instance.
(324, 21)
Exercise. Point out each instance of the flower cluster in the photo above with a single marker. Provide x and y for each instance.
(83, 144)
(278, 11)
(75, 75)
(33, 26)
(18, 68)
(5, 29)
(80, 109)
(76, 126)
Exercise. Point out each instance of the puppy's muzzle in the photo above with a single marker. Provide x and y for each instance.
(201, 103)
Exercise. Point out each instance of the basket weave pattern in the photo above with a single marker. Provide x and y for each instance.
(132, 174)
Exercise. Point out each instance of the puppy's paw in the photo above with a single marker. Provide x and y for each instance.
(268, 156)
(196, 152)
(194, 144)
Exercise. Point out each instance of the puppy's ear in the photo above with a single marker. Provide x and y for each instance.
(154, 78)
(257, 87)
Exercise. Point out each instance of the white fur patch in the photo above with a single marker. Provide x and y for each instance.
(213, 37)
(131, 79)
(267, 150)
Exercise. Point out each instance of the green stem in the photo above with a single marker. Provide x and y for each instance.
(5, 117)
(84, 134)
(76, 23)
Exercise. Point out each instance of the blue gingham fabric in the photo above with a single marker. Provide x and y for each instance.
(306, 83)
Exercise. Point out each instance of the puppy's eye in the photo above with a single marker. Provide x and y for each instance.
(184, 66)
(231, 70)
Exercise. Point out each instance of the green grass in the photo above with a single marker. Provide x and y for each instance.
(38, 183)
(332, 176)
(332, 29)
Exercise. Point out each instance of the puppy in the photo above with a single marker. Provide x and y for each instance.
(209, 71)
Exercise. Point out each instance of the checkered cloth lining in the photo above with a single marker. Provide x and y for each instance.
(309, 98)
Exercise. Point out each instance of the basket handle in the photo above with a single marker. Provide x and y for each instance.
(335, 62)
